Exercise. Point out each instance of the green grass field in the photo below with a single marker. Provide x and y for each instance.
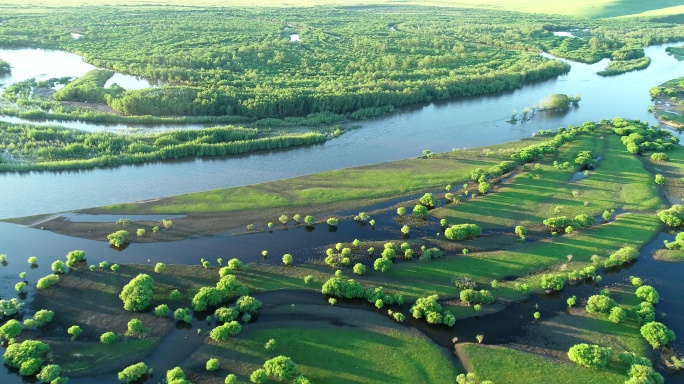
(342, 355)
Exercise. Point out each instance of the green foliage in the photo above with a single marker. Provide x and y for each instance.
(108, 337)
(174, 295)
(49, 373)
(657, 334)
(558, 223)
(226, 314)
(309, 220)
(231, 379)
(259, 376)
(617, 315)
(183, 314)
(348, 289)
(207, 297)
(10, 307)
(462, 232)
(584, 221)
(176, 376)
(47, 281)
(557, 101)
(223, 332)
(135, 327)
(660, 179)
(332, 221)
(644, 312)
(58, 266)
(160, 268)
(382, 264)
(137, 294)
(132, 372)
(644, 374)
(553, 282)
(622, 256)
(586, 160)
(88, 88)
(428, 200)
(590, 356)
(27, 356)
(287, 259)
(484, 187)
(213, 364)
(572, 300)
(247, 304)
(11, 329)
(359, 269)
(74, 257)
(280, 368)
(659, 156)
(118, 238)
(617, 67)
(648, 294)
(471, 296)
(270, 345)
(432, 311)
(401, 211)
(74, 331)
(639, 137)
(308, 280)
(420, 211)
(635, 281)
(600, 304)
(39, 319)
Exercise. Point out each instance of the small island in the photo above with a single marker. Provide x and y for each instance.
(5, 67)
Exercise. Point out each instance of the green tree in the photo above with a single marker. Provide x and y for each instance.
(259, 376)
(657, 334)
(135, 327)
(287, 259)
(552, 282)
(137, 294)
(132, 372)
(382, 264)
(359, 269)
(49, 373)
(280, 368)
(213, 364)
(270, 345)
(484, 187)
(108, 337)
(648, 293)
(160, 268)
(660, 180)
(28, 356)
(617, 315)
(118, 238)
(58, 266)
(590, 356)
(223, 332)
(420, 211)
(600, 304)
(309, 220)
(401, 211)
(74, 331)
(247, 304)
(428, 200)
(11, 329)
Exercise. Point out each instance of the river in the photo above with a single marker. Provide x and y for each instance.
(463, 122)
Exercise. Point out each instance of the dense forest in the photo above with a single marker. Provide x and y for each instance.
(28, 147)
(274, 63)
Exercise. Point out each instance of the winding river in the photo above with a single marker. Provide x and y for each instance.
(464, 122)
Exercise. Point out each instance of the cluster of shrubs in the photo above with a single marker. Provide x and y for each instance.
(462, 232)
(351, 289)
(432, 311)
(564, 135)
(564, 223)
(639, 137)
(471, 296)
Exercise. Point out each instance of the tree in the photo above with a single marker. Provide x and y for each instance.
(118, 238)
(247, 304)
(58, 266)
(428, 200)
(590, 356)
(657, 334)
(176, 376)
(648, 293)
(520, 231)
(283, 219)
(484, 187)
(74, 331)
(552, 282)
(280, 368)
(462, 232)
(174, 295)
(223, 332)
(47, 281)
(137, 294)
(644, 374)
(160, 268)
(183, 314)
(11, 329)
(308, 280)
(359, 269)
(49, 373)
(401, 211)
(140, 232)
(572, 301)
(617, 315)
(405, 230)
(108, 337)
(40, 318)
(231, 379)
(135, 327)
(382, 264)
(621, 256)
(27, 356)
(207, 297)
(332, 222)
(660, 180)
(213, 364)
(600, 304)
(235, 265)
(132, 372)
(270, 345)
(673, 216)
(287, 259)
(309, 220)
(226, 314)
(259, 376)
(420, 211)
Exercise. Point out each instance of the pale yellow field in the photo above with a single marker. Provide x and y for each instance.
(585, 8)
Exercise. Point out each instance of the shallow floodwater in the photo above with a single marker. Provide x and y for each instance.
(464, 122)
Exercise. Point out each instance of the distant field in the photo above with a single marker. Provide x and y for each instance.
(584, 8)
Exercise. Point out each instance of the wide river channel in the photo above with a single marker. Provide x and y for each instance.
(464, 122)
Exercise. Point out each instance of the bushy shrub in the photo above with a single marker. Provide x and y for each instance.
(462, 231)
(590, 356)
